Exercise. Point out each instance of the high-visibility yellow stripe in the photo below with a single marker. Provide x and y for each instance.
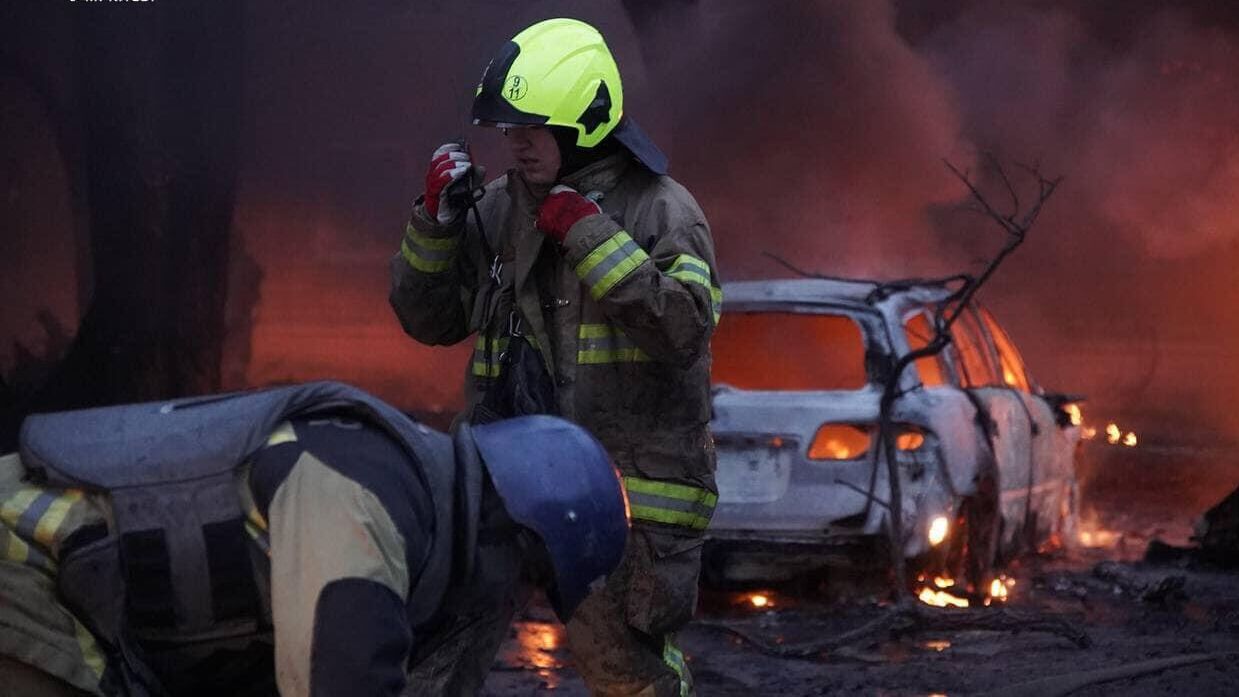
(624, 355)
(484, 366)
(671, 490)
(674, 658)
(90, 649)
(18, 550)
(421, 264)
(49, 524)
(617, 274)
(283, 433)
(662, 515)
(690, 269)
(15, 548)
(595, 331)
(13, 507)
(604, 343)
(482, 369)
(441, 244)
(609, 263)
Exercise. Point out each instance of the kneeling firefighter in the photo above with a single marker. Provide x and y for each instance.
(307, 539)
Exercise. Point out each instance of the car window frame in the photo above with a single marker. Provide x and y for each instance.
(945, 364)
(978, 331)
(995, 330)
(873, 331)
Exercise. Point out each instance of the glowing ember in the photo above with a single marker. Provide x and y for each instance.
(1113, 434)
(1092, 535)
(941, 599)
(998, 590)
(941, 582)
(938, 530)
(1076, 416)
(938, 645)
(760, 601)
(1088, 433)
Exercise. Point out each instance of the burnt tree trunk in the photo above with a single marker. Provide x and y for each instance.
(161, 96)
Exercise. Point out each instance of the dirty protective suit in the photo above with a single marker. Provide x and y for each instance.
(308, 538)
(621, 317)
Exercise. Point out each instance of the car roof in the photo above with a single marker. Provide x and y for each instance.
(850, 292)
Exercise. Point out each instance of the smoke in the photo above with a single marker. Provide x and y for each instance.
(811, 131)
(1144, 129)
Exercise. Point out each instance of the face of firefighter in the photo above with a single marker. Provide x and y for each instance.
(535, 152)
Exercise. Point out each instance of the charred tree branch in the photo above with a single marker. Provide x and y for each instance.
(947, 312)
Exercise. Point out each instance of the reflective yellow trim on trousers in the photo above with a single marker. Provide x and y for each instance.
(610, 263)
(669, 503)
(674, 658)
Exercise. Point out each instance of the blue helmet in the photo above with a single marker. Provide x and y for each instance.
(556, 480)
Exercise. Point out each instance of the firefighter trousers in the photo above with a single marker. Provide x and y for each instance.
(622, 637)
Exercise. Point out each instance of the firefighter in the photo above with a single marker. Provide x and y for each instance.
(587, 277)
(306, 538)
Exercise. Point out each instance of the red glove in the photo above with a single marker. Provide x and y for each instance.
(448, 165)
(560, 211)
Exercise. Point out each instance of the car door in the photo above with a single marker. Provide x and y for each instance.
(1009, 420)
(1052, 471)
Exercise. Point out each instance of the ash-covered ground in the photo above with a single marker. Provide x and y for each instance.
(1135, 613)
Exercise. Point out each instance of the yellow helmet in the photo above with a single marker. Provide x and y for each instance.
(559, 72)
(556, 73)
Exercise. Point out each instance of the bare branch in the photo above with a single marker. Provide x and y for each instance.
(1015, 198)
(791, 267)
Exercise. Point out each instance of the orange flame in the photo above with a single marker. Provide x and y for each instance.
(941, 598)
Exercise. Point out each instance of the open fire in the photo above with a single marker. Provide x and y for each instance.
(938, 592)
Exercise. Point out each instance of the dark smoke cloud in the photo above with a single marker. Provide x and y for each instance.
(811, 131)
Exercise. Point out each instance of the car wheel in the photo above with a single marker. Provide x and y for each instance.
(973, 548)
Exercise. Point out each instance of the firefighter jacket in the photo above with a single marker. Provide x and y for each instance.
(621, 315)
(141, 543)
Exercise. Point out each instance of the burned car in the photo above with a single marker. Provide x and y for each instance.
(986, 457)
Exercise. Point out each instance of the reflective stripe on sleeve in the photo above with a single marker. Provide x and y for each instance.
(687, 268)
(669, 503)
(15, 549)
(609, 263)
(37, 515)
(603, 343)
(690, 269)
(427, 254)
